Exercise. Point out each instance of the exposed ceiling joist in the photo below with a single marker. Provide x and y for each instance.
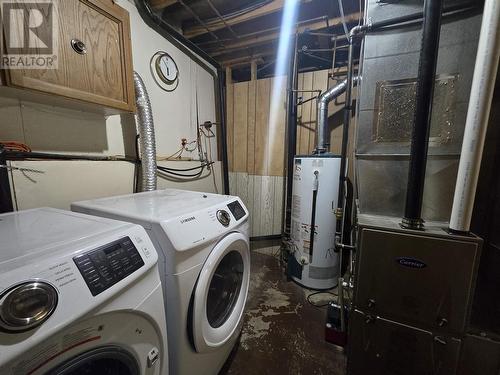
(242, 61)
(242, 56)
(269, 37)
(161, 4)
(272, 7)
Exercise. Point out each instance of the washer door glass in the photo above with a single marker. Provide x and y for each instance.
(109, 360)
(220, 293)
(224, 289)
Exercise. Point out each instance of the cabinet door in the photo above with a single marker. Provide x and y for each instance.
(381, 347)
(102, 72)
(479, 356)
(421, 280)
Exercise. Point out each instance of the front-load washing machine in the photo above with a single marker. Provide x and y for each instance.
(79, 295)
(202, 242)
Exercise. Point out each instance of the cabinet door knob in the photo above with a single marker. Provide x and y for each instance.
(440, 340)
(78, 46)
(442, 322)
(370, 319)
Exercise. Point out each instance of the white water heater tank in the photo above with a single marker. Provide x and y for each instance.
(314, 201)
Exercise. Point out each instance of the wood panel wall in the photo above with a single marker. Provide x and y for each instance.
(263, 196)
(256, 131)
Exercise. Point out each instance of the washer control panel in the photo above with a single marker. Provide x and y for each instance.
(104, 267)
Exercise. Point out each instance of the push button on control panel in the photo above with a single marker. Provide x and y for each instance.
(107, 265)
(224, 217)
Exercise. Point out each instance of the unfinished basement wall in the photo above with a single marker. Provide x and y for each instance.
(256, 144)
(386, 106)
(51, 129)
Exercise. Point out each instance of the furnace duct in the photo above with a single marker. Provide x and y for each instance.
(383, 136)
(145, 125)
(323, 144)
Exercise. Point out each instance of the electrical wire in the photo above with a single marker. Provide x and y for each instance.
(210, 134)
(175, 155)
(198, 133)
(188, 169)
(205, 160)
(137, 170)
(190, 143)
(15, 146)
(308, 298)
(173, 177)
(239, 12)
(213, 170)
(162, 169)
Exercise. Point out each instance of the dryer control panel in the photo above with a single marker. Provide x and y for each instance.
(104, 267)
(237, 210)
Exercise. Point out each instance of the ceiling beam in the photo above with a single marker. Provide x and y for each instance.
(161, 4)
(242, 61)
(272, 7)
(236, 58)
(254, 41)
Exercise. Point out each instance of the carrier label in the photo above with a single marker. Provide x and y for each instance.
(411, 262)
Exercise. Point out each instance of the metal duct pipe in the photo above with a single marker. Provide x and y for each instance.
(291, 120)
(145, 125)
(221, 102)
(322, 143)
(6, 204)
(355, 32)
(423, 112)
(483, 83)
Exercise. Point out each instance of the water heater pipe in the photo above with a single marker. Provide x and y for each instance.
(313, 215)
(323, 143)
(483, 84)
(145, 125)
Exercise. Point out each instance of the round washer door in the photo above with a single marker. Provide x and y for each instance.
(109, 360)
(221, 293)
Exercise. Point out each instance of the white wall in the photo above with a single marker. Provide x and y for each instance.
(53, 129)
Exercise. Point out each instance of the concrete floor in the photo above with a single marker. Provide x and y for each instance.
(282, 332)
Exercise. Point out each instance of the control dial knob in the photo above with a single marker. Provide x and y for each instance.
(27, 305)
(224, 217)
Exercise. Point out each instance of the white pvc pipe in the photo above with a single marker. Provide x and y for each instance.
(483, 84)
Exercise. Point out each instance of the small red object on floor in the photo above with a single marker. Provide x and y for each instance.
(335, 337)
(333, 327)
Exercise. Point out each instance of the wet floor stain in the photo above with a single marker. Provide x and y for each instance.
(282, 333)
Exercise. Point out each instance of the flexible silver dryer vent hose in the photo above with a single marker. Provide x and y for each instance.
(145, 125)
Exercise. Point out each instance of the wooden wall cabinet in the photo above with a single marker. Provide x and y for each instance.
(94, 60)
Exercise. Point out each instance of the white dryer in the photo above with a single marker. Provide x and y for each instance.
(205, 270)
(79, 295)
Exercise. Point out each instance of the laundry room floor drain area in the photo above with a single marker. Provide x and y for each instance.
(282, 332)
